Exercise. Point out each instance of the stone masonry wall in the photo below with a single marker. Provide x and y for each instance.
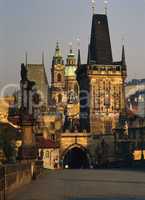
(15, 176)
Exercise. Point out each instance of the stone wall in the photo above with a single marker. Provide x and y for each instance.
(17, 175)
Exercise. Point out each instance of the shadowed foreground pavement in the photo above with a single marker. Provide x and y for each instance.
(85, 185)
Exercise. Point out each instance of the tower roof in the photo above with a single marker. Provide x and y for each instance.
(123, 57)
(100, 44)
(57, 58)
(88, 59)
(79, 58)
(57, 51)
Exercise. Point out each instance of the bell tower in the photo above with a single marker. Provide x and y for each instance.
(72, 90)
(70, 74)
(58, 79)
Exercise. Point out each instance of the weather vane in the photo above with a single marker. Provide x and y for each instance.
(106, 6)
(93, 6)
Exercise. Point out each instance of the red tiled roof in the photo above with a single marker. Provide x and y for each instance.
(46, 143)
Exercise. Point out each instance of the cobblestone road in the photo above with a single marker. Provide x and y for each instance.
(85, 185)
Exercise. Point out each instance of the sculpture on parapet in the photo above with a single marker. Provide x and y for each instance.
(28, 149)
(23, 73)
(27, 89)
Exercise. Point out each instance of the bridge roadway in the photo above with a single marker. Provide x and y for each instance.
(85, 185)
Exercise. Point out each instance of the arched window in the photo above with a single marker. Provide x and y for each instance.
(59, 78)
(59, 98)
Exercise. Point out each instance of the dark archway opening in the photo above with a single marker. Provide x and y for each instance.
(76, 158)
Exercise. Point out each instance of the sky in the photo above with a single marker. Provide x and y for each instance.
(35, 26)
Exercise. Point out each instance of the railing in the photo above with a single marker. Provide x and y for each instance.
(2, 183)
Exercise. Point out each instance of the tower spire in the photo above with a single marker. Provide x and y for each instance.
(123, 53)
(89, 55)
(57, 50)
(79, 53)
(57, 58)
(100, 43)
(123, 57)
(79, 58)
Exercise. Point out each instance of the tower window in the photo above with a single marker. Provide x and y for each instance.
(59, 78)
(53, 137)
(59, 98)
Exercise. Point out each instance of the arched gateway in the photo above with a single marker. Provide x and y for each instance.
(74, 151)
(76, 157)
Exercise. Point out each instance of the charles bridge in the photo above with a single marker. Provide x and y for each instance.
(79, 185)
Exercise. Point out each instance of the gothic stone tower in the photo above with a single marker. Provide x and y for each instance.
(101, 81)
(57, 78)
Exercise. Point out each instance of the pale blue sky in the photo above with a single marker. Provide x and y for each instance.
(36, 25)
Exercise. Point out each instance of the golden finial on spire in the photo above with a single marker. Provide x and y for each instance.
(106, 6)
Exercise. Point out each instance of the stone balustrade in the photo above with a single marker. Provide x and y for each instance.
(15, 176)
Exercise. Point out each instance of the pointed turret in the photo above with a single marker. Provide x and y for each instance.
(88, 59)
(100, 44)
(57, 50)
(57, 59)
(123, 58)
(71, 59)
(79, 58)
